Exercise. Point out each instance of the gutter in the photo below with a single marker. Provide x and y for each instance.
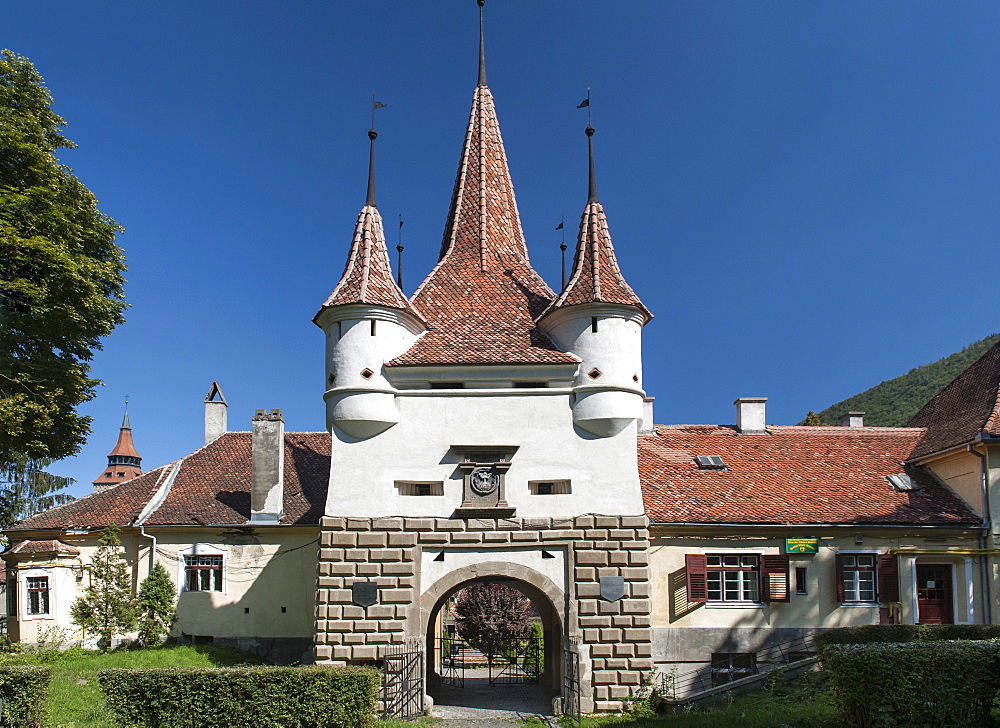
(155, 502)
(984, 570)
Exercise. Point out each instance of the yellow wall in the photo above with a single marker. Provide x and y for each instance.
(961, 473)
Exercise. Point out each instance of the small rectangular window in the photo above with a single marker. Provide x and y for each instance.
(902, 483)
(447, 385)
(858, 577)
(549, 487)
(203, 572)
(593, 324)
(801, 584)
(728, 667)
(710, 462)
(418, 488)
(373, 327)
(529, 385)
(733, 577)
(38, 594)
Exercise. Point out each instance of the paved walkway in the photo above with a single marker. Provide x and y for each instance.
(489, 706)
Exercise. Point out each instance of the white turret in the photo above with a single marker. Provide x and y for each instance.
(599, 318)
(367, 321)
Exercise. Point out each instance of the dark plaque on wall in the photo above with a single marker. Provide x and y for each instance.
(483, 469)
(364, 593)
(612, 588)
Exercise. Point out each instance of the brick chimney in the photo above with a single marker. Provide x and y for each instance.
(267, 484)
(852, 419)
(216, 410)
(750, 415)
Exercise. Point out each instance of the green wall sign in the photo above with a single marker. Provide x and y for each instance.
(801, 545)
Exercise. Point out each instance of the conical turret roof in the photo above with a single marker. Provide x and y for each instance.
(124, 447)
(481, 299)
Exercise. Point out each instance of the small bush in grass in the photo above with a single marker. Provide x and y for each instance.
(931, 683)
(303, 697)
(24, 690)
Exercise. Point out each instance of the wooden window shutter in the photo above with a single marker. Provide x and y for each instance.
(888, 578)
(841, 596)
(774, 575)
(696, 566)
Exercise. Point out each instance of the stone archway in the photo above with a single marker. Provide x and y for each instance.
(550, 602)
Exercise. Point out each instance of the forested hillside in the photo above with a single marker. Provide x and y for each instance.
(893, 402)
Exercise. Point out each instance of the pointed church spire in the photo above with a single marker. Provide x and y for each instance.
(367, 277)
(596, 277)
(124, 463)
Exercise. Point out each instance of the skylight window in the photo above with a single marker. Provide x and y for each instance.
(902, 483)
(710, 462)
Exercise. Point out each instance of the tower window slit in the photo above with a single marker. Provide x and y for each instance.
(373, 327)
(593, 324)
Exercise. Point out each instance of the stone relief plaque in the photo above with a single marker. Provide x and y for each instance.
(483, 470)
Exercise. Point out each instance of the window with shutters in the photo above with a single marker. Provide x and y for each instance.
(867, 578)
(737, 578)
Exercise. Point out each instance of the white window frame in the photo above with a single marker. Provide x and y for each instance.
(759, 553)
(874, 553)
(22, 585)
(201, 549)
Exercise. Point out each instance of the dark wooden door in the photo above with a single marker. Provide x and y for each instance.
(934, 594)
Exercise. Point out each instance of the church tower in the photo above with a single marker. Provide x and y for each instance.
(123, 460)
(599, 318)
(367, 321)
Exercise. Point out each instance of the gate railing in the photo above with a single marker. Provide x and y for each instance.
(403, 680)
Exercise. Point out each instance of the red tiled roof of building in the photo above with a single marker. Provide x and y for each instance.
(43, 547)
(596, 277)
(367, 277)
(124, 446)
(482, 298)
(211, 486)
(793, 475)
(968, 406)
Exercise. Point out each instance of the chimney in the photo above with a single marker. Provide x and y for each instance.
(852, 419)
(750, 415)
(646, 427)
(215, 413)
(267, 484)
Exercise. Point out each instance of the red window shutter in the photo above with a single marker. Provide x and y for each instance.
(840, 578)
(888, 578)
(774, 578)
(696, 566)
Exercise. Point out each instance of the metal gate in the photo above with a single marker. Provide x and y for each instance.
(453, 655)
(518, 663)
(571, 684)
(403, 680)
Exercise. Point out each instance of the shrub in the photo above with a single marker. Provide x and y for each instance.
(293, 697)
(24, 690)
(905, 633)
(933, 683)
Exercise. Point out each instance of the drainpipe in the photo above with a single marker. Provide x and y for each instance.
(152, 547)
(984, 567)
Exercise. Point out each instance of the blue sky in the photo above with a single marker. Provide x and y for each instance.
(804, 193)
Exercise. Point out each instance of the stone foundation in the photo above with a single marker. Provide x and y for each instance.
(613, 638)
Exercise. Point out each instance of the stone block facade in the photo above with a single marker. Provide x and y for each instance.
(612, 637)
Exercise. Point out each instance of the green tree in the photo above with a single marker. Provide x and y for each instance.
(492, 617)
(812, 419)
(26, 489)
(61, 284)
(107, 607)
(157, 606)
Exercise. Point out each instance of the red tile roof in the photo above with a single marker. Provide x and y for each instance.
(793, 475)
(482, 298)
(367, 276)
(124, 446)
(211, 487)
(968, 406)
(596, 277)
(43, 547)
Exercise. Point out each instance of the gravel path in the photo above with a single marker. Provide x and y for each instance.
(490, 706)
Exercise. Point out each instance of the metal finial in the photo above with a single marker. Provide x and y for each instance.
(592, 197)
(399, 256)
(372, 135)
(562, 248)
(125, 422)
(482, 46)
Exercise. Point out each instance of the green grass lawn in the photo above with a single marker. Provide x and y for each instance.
(75, 699)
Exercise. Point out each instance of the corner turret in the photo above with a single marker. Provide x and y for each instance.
(367, 321)
(599, 318)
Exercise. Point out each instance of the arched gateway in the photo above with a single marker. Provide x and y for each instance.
(486, 428)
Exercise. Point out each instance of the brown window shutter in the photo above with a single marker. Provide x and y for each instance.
(888, 578)
(840, 578)
(774, 575)
(696, 566)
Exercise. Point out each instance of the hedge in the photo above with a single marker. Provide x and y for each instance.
(24, 690)
(935, 684)
(242, 697)
(905, 633)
